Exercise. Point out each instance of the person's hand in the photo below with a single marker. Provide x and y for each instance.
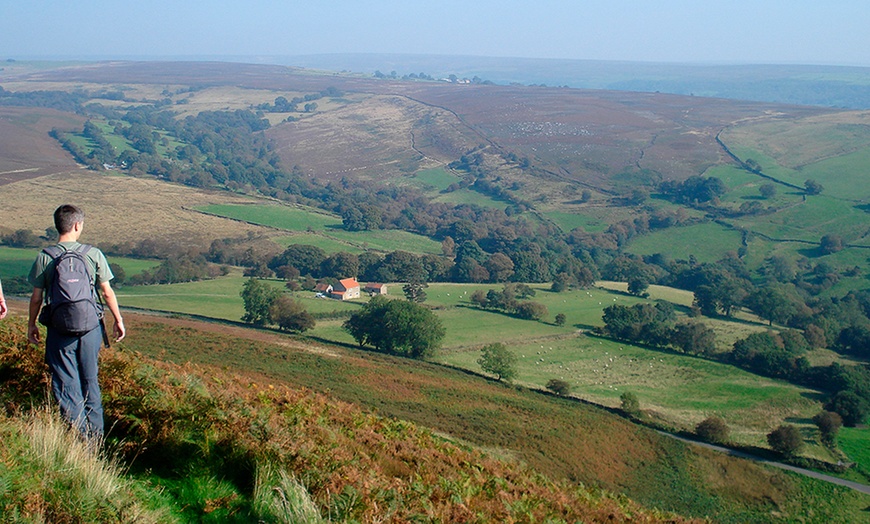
(33, 334)
(120, 330)
(3, 308)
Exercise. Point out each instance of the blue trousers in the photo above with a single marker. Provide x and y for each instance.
(72, 362)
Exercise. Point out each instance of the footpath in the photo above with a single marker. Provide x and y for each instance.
(857, 486)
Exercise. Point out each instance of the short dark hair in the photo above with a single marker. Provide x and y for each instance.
(66, 216)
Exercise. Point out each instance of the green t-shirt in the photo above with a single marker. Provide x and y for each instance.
(42, 270)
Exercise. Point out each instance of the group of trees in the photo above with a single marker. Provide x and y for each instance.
(397, 327)
(266, 304)
(507, 301)
(655, 325)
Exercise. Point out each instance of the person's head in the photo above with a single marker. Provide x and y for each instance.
(66, 217)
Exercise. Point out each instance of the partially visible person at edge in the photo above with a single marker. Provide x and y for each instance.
(3, 308)
(72, 360)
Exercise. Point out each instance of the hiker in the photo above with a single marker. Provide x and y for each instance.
(3, 308)
(71, 352)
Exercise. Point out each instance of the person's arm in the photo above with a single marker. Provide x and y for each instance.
(3, 308)
(112, 302)
(35, 306)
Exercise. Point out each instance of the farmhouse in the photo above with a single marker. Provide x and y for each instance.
(346, 289)
(373, 288)
(323, 287)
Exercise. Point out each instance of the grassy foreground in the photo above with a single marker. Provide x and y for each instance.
(206, 445)
(243, 409)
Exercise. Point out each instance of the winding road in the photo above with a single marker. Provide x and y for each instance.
(863, 488)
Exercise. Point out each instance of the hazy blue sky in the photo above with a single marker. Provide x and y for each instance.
(736, 31)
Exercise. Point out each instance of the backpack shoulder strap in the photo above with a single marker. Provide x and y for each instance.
(83, 248)
(53, 251)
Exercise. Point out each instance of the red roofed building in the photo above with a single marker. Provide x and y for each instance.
(346, 289)
(376, 289)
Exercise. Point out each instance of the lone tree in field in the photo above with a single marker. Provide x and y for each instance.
(767, 191)
(396, 326)
(629, 402)
(558, 386)
(497, 360)
(829, 424)
(713, 429)
(290, 315)
(786, 440)
(258, 296)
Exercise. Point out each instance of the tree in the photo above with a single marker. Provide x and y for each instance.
(414, 291)
(305, 258)
(812, 187)
(340, 265)
(831, 243)
(713, 429)
(786, 440)
(630, 403)
(478, 298)
(497, 360)
(558, 386)
(396, 326)
(694, 338)
(561, 282)
(638, 287)
(767, 191)
(772, 303)
(829, 423)
(850, 406)
(560, 319)
(500, 267)
(290, 315)
(531, 310)
(258, 296)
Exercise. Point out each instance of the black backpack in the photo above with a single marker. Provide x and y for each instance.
(71, 305)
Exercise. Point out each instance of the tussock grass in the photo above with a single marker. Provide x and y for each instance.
(281, 498)
(56, 477)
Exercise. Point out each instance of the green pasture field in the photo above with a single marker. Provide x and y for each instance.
(302, 220)
(218, 298)
(708, 242)
(277, 216)
(743, 186)
(388, 240)
(769, 165)
(805, 141)
(437, 178)
(810, 220)
(678, 389)
(16, 262)
(467, 196)
(570, 221)
(843, 176)
(855, 443)
(120, 143)
(328, 244)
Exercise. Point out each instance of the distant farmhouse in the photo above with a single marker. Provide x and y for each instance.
(346, 289)
(373, 288)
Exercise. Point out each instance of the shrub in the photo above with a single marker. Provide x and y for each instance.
(630, 403)
(497, 360)
(713, 429)
(850, 406)
(786, 440)
(558, 386)
(829, 423)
